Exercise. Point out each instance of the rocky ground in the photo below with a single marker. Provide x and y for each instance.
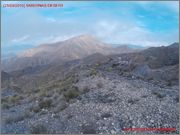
(109, 104)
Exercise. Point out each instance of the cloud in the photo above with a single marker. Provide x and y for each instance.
(143, 23)
(173, 5)
(51, 19)
(20, 39)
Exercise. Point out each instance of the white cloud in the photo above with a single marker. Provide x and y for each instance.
(173, 5)
(51, 19)
(20, 39)
(124, 32)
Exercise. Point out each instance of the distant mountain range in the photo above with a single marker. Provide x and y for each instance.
(74, 48)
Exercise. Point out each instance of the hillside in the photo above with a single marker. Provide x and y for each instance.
(94, 95)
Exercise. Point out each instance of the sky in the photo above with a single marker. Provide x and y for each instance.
(144, 23)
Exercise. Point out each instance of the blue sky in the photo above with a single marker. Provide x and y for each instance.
(140, 23)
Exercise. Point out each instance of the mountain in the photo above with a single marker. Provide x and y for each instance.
(130, 46)
(4, 76)
(157, 57)
(89, 94)
(74, 48)
(155, 63)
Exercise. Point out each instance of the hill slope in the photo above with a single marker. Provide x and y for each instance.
(96, 94)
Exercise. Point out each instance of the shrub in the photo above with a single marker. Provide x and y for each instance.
(72, 93)
(115, 65)
(38, 129)
(169, 83)
(85, 89)
(63, 105)
(177, 99)
(159, 95)
(35, 109)
(99, 84)
(45, 103)
(133, 101)
(5, 105)
(15, 99)
(93, 72)
(106, 115)
(109, 69)
(11, 100)
(16, 88)
(88, 129)
(144, 96)
(97, 64)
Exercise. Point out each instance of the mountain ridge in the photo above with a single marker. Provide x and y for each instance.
(74, 48)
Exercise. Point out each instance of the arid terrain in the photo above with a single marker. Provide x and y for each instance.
(83, 86)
